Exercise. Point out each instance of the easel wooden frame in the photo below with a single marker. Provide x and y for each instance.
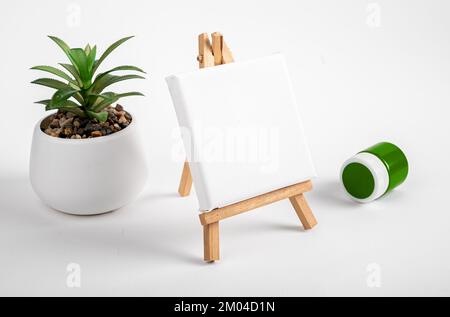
(217, 54)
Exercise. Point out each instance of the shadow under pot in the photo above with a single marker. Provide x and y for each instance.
(88, 176)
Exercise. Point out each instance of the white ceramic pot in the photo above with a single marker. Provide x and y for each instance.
(88, 176)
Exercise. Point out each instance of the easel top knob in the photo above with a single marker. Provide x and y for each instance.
(213, 54)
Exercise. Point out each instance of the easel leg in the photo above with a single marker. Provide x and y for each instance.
(303, 211)
(186, 181)
(211, 242)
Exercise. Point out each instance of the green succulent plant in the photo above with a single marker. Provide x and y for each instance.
(80, 92)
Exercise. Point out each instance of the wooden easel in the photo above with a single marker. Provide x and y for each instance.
(217, 54)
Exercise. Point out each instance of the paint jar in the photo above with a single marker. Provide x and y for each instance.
(374, 172)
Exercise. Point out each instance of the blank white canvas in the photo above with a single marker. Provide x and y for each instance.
(241, 129)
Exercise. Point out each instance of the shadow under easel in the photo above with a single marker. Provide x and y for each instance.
(330, 192)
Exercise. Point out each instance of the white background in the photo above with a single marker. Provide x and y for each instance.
(358, 82)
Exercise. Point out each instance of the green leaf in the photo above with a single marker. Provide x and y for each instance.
(55, 71)
(87, 49)
(80, 98)
(61, 96)
(68, 105)
(126, 67)
(109, 50)
(108, 80)
(100, 116)
(119, 68)
(71, 69)
(64, 47)
(77, 111)
(81, 63)
(128, 94)
(64, 103)
(91, 60)
(60, 43)
(45, 102)
(50, 82)
(104, 100)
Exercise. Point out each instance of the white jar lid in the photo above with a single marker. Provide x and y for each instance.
(377, 169)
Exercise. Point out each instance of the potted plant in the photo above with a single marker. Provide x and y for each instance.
(86, 157)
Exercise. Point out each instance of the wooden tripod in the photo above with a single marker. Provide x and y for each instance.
(217, 54)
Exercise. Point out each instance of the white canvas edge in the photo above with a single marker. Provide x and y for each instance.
(205, 204)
